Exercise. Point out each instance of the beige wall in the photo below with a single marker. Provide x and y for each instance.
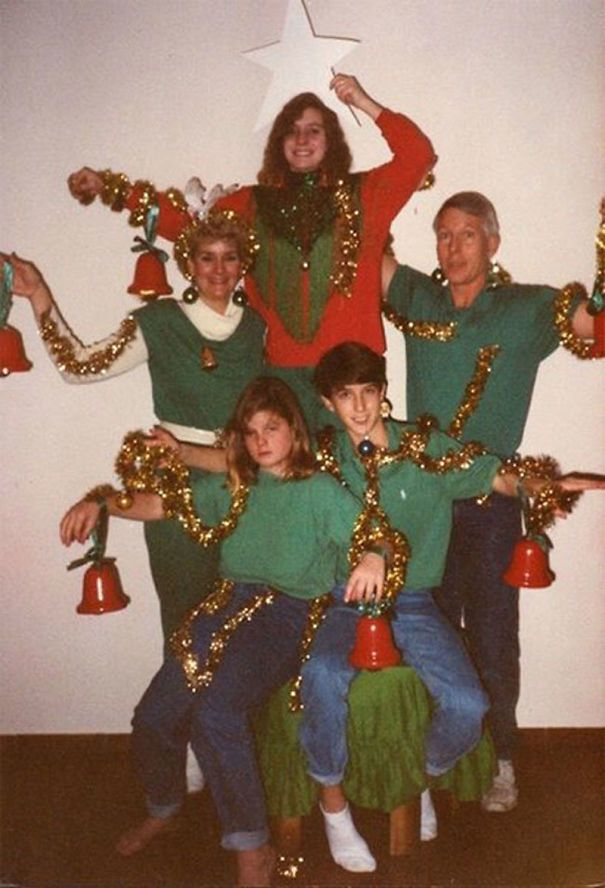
(511, 93)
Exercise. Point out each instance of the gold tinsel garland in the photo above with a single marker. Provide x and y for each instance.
(181, 642)
(539, 509)
(474, 389)
(116, 189)
(420, 329)
(372, 525)
(349, 219)
(146, 198)
(562, 320)
(159, 470)
(99, 361)
(317, 610)
(182, 245)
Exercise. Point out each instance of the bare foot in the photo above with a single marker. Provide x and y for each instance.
(254, 868)
(138, 837)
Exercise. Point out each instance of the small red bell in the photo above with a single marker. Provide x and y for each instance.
(102, 590)
(12, 352)
(374, 647)
(529, 566)
(150, 278)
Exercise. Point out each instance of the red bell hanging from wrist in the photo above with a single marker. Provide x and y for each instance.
(529, 566)
(374, 647)
(12, 352)
(102, 591)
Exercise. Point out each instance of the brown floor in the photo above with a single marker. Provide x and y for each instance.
(66, 799)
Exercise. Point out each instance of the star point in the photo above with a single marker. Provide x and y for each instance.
(301, 61)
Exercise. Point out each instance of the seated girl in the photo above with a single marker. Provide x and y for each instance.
(287, 529)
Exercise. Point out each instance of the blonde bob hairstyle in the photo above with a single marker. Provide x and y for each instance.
(218, 225)
(267, 393)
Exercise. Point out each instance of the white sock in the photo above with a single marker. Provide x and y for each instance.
(194, 776)
(428, 817)
(347, 847)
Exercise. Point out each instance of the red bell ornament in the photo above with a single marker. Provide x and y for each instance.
(374, 647)
(150, 278)
(12, 352)
(529, 566)
(102, 590)
(597, 349)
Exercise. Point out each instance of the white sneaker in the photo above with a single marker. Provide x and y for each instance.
(347, 847)
(428, 817)
(503, 793)
(195, 778)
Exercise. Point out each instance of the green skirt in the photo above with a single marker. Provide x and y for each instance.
(389, 713)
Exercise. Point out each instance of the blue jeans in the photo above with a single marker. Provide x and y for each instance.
(430, 645)
(473, 595)
(262, 654)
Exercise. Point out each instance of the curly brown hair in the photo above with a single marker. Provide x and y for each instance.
(219, 225)
(273, 395)
(337, 162)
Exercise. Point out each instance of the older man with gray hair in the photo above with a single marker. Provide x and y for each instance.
(474, 293)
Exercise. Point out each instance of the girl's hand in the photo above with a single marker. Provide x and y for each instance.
(78, 522)
(85, 185)
(159, 437)
(367, 579)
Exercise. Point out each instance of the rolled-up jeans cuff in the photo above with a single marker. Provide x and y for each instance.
(245, 841)
(163, 812)
(327, 779)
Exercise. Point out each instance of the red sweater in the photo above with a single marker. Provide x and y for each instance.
(357, 316)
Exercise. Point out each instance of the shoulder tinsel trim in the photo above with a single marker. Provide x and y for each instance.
(62, 348)
(474, 389)
(420, 329)
(159, 470)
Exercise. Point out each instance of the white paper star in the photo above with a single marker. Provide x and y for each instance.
(302, 61)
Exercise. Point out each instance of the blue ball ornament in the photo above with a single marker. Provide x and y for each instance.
(240, 298)
(365, 447)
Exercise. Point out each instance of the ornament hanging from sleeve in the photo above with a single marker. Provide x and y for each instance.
(529, 567)
(596, 303)
(150, 271)
(102, 591)
(12, 351)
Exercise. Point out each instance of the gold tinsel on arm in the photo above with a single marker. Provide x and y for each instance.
(540, 509)
(159, 470)
(562, 304)
(63, 350)
(562, 308)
